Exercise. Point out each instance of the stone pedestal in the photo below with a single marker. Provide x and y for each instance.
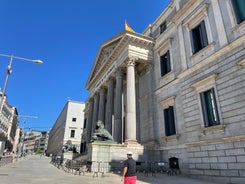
(70, 155)
(108, 152)
(105, 157)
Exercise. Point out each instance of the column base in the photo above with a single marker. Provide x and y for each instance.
(135, 147)
(131, 141)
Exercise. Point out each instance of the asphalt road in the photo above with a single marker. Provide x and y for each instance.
(36, 170)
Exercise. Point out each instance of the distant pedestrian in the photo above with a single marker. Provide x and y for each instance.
(129, 170)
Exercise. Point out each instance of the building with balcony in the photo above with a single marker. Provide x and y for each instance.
(8, 125)
(31, 141)
(35, 141)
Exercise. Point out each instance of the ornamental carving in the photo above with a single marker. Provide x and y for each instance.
(131, 60)
(119, 72)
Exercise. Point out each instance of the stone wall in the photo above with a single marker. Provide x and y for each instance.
(215, 152)
(222, 162)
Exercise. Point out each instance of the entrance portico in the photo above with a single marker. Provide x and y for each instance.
(112, 84)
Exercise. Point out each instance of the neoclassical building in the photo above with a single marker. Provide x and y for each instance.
(177, 89)
(113, 84)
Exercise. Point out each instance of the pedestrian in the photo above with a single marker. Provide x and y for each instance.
(129, 170)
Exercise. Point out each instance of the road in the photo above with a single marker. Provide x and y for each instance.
(36, 170)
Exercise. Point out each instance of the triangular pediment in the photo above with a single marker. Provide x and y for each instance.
(111, 50)
(105, 51)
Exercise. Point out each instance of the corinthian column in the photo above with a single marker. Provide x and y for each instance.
(117, 135)
(130, 127)
(95, 111)
(109, 106)
(90, 119)
(102, 105)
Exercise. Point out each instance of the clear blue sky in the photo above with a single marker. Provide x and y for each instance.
(65, 35)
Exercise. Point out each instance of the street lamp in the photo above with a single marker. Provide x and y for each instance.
(9, 72)
(23, 136)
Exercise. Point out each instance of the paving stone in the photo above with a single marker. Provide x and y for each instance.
(36, 170)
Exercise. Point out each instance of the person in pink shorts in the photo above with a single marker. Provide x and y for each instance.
(129, 170)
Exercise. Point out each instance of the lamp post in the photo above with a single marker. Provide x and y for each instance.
(9, 72)
(21, 150)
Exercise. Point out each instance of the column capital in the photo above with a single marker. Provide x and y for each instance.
(91, 99)
(119, 72)
(102, 89)
(110, 80)
(131, 60)
(96, 94)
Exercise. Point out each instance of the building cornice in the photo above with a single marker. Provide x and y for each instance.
(180, 14)
(217, 141)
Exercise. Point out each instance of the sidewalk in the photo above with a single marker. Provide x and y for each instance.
(36, 170)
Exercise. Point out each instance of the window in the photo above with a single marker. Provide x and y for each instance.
(199, 37)
(209, 108)
(85, 123)
(239, 8)
(208, 103)
(83, 147)
(165, 63)
(169, 121)
(72, 133)
(74, 119)
(163, 27)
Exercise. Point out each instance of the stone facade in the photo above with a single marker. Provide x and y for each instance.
(9, 124)
(68, 126)
(177, 89)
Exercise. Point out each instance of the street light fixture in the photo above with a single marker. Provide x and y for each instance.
(9, 71)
